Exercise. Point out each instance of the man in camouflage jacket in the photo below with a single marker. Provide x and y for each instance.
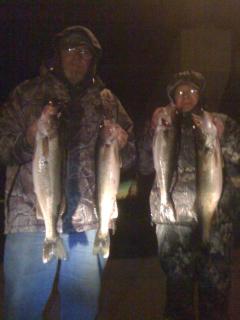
(72, 83)
(187, 262)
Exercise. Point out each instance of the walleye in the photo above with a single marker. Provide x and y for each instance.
(108, 177)
(165, 147)
(47, 181)
(209, 170)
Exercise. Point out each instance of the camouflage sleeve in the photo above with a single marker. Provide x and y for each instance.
(144, 147)
(230, 141)
(14, 148)
(112, 105)
(128, 153)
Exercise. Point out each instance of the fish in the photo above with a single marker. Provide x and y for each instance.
(165, 150)
(209, 170)
(108, 179)
(47, 181)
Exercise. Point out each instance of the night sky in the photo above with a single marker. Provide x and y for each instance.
(136, 37)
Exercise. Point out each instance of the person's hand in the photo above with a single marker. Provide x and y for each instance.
(115, 130)
(162, 112)
(122, 136)
(219, 125)
(32, 129)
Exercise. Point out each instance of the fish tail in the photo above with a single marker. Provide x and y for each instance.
(101, 244)
(53, 248)
(206, 233)
(206, 225)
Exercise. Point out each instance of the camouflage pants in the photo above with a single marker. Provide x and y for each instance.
(198, 278)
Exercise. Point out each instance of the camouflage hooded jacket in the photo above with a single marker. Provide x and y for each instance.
(184, 188)
(87, 108)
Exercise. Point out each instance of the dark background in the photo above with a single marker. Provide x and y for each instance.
(140, 40)
(133, 34)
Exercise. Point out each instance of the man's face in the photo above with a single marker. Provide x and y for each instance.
(186, 97)
(76, 62)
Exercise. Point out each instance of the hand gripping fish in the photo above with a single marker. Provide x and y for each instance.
(209, 170)
(108, 176)
(47, 181)
(165, 149)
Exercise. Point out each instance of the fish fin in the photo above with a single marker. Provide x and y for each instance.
(206, 231)
(53, 248)
(120, 163)
(39, 213)
(113, 226)
(115, 211)
(101, 244)
(62, 206)
(205, 236)
(60, 250)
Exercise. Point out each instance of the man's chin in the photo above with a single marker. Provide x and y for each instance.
(186, 109)
(75, 79)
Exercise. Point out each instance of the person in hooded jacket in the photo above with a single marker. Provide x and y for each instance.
(70, 81)
(198, 273)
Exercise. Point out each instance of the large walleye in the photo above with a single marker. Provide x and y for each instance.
(165, 147)
(209, 170)
(108, 176)
(47, 181)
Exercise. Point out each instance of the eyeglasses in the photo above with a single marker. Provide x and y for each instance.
(83, 52)
(183, 93)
